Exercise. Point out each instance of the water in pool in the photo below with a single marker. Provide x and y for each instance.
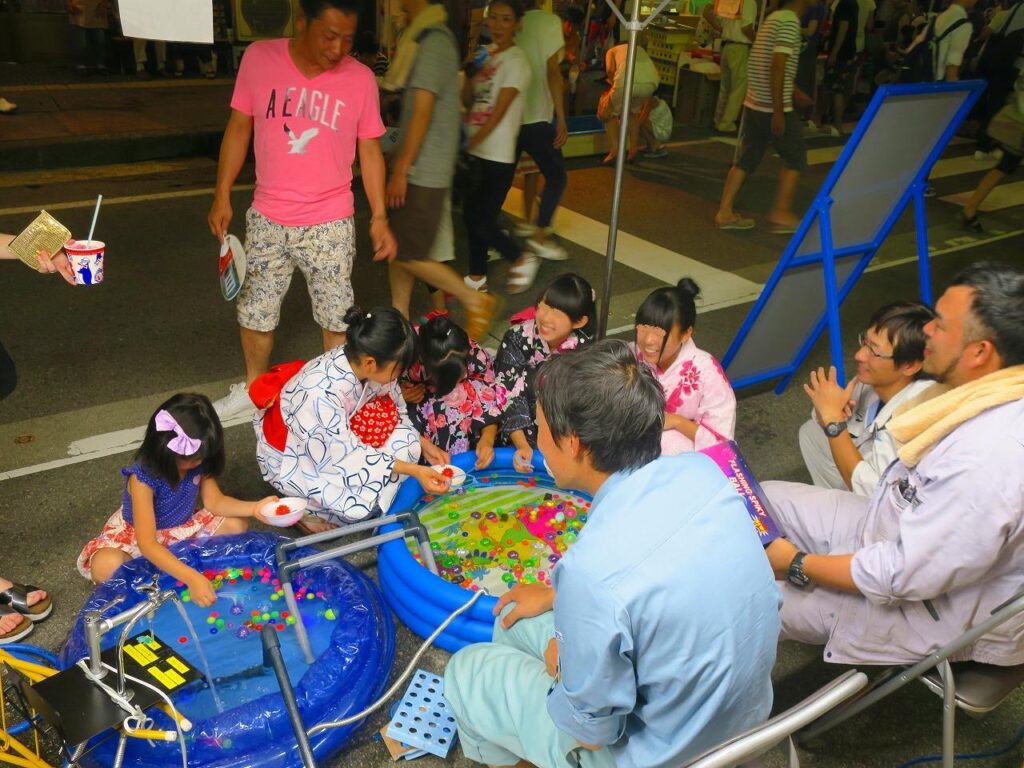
(501, 528)
(229, 631)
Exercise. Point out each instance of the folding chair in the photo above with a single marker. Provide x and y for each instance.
(755, 742)
(973, 687)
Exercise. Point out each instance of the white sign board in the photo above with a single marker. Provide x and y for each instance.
(179, 21)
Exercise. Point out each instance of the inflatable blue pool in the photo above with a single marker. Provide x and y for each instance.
(514, 513)
(240, 720)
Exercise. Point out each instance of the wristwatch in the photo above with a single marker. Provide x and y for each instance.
(796, 574)
(835, 428)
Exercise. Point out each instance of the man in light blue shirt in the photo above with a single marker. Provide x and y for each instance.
(661, 640)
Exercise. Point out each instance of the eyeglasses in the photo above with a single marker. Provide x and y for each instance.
(862, 340)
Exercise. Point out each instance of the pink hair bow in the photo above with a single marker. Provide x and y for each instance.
(183, 445)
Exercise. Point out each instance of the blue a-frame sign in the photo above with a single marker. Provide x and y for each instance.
(882, 169)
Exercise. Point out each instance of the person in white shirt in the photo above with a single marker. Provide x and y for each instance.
(492, 95)
(544, 129)
(737, 37)
(845, 444)
(951, 47)
(865, 23)
(612, 102)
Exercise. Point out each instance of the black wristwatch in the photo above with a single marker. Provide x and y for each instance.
(796, 574)
(835, 428)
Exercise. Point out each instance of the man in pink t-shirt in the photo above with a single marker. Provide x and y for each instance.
(308, 106)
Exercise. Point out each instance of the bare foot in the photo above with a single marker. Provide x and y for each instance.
(10, 621)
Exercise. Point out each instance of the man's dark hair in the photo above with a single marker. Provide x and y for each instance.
(312, 9)
(903, 323)
(997, 308)
(614, 405)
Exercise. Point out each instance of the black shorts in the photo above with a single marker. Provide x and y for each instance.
(415, 224)
(756, 136)
(1009, 162)
(839, 79)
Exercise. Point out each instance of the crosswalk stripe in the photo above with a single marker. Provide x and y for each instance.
(719, 287)
(1003, 196)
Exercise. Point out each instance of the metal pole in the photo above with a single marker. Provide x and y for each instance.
(272, 658)
(633, 26)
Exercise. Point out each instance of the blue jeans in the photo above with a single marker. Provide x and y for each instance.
(537, 140)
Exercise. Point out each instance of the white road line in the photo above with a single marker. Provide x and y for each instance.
(954, 166)
(966, 244)
(99, 446)
(719, 287)
(1003, 196)
(112, 443)
(205, 191)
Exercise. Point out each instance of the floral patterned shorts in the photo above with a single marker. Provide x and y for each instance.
(118, 533)
(322, 252)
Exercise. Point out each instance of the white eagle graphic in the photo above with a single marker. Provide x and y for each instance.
(298, 143)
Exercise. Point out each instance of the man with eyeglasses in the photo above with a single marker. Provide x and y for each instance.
(940, 543)
(845, 444)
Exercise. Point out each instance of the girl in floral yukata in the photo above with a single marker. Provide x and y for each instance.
(561, 321)
(451, 392)
(336, 432)
(700, 406)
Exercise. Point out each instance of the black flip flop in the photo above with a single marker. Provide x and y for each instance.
(16, 597)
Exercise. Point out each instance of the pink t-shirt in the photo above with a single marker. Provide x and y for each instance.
(305, 132)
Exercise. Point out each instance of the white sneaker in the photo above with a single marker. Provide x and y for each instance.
(235, 403)
(524, 229)
(476, 285)
(549, 249)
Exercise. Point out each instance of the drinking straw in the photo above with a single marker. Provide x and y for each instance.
(95, 215)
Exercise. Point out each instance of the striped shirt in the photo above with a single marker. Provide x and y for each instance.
(780, 33)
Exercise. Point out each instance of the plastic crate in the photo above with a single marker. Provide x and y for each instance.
(422, 718)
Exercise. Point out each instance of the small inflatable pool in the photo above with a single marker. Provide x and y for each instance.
(241, 720)
(500, 528)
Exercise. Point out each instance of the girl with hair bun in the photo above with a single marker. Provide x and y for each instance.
(453, 397)
(700, 406)
(335, 431)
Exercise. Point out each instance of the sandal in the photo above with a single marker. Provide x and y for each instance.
(521, 276)
(971, 223)
(16, 597)
(21, 630)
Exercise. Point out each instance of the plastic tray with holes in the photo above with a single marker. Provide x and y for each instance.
(422, 718)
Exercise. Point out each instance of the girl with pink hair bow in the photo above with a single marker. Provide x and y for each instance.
(176, 466)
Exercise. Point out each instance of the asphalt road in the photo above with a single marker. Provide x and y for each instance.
(95, 361)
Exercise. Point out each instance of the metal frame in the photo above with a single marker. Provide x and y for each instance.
(755, 742)
(273, 658)
(634, 26)
(410, 525)
(828, 255)
(888, 682)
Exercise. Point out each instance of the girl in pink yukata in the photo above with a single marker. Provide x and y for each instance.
(176, 466)
(700, 406)
(451, 392)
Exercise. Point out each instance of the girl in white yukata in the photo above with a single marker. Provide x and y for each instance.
(700, 406)
(338, 434)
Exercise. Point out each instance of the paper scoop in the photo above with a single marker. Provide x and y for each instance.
(45, 233)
